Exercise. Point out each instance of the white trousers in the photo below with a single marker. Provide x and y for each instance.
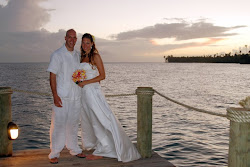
(64, 128)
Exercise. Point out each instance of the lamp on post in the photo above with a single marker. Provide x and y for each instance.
(12, 131)
(6, 148)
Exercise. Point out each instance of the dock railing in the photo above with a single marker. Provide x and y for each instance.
(239, 135)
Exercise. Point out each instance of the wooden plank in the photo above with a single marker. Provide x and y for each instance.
(39, 158)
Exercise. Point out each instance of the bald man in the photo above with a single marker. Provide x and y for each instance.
(66, 94)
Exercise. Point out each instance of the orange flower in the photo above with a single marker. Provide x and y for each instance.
(79, 76)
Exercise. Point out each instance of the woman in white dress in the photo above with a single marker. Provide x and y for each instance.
(100, 128)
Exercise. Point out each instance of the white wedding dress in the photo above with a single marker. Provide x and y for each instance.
(100, 128)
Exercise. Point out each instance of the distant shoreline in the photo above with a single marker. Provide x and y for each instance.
(103, 62)
(241, 59)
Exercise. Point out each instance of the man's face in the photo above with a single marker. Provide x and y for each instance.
(70, 40)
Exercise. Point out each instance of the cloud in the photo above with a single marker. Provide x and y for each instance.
(24, 40)
(134, 50)
(179, 31)
(35, 46)
(22, 16)
(139, 43)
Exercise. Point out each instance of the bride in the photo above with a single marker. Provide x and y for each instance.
(100, 128)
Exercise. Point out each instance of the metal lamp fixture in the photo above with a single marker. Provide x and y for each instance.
(12, 131)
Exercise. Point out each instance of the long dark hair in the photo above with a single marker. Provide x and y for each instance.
(92, 51)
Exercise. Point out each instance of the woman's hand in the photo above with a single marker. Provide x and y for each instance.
(82, 84)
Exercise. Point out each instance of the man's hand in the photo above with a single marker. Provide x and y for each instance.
(57, 101)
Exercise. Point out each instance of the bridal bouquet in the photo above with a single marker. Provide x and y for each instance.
(79, 76)
(245, 103)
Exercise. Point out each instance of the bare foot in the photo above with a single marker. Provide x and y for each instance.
(53, 160)
(93, 157)
(81, 155)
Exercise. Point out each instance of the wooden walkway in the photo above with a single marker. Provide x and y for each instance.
(39, 158)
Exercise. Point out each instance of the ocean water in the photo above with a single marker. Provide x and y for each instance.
(184, 137)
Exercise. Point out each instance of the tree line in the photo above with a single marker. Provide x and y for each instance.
(223, 58)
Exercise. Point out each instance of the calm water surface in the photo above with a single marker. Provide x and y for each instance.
(184, 137)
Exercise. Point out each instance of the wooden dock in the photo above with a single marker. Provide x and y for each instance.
(39, 158)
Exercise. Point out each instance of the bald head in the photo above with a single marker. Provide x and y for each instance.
(70, 31)
(70, 39)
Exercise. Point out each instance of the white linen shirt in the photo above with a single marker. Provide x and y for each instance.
(63, 64)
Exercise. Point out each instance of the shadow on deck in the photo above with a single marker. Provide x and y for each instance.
(39, 158)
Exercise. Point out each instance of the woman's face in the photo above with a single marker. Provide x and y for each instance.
(86, 44)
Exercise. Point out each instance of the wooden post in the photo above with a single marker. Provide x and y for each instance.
(144, 121)
(5, 118)
(239, 137)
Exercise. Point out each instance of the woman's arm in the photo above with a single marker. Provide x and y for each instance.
(100, 67)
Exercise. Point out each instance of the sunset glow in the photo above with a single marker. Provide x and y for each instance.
(125, 31)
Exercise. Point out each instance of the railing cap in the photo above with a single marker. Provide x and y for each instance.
(238, 114)
(5, 90)
(145, 91)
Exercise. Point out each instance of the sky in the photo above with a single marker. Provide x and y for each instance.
(124, 30)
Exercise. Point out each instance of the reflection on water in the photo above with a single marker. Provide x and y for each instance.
(184, 137)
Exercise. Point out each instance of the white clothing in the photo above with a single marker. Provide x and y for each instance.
(64, 128)
(100, 128)
(64, 121)
(63, 64)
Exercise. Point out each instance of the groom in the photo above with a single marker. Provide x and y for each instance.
(66, 94)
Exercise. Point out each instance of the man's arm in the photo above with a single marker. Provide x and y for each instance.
(57, 99)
